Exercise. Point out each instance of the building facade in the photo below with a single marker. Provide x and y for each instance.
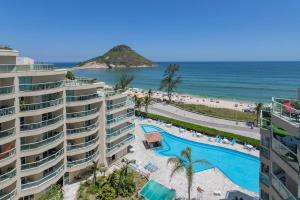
(52, 129)
(279, 152)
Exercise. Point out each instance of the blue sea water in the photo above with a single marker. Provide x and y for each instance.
(245, 81)
(242, 169)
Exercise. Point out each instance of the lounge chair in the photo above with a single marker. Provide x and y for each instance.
(217, 138)
(233, 141)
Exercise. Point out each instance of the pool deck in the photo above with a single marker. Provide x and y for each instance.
(209, 180)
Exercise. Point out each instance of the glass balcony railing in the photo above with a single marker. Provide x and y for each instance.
(281, 189)
(83, 145)
(110, 93)
(80, 81)
(83, 129)
(42, 161)
(21, 68)
(119, 118)
(119, 105)
(287, 109)
(8, 175)
(10, 195)
(264, 178)
(7, 90)
(43, 180)
(82, 161)
(7, 111)
(41, 105)
(8, 132)
(7, 154)
(83, 97)
(286, 154)
(120, 144)
(82, 113)
(30, 146)
(40, 86)
(120, 131)
(32, 126)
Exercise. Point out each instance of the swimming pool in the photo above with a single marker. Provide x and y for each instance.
(155, 191)
(240, 168)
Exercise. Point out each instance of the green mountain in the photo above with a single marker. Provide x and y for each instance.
(118, 56)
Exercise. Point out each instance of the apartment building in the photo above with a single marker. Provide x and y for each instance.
(279, 150)
(52, 129)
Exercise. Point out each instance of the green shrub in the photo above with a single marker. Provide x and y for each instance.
(202, 129)
(106, 193)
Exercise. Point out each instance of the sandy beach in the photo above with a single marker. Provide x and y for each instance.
(189, 99)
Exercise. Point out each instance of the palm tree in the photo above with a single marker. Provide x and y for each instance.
(124, 81)
(170, 80)
(126, 163)
(138, 102)
(70, 75)
(147, 100)
(258, 108)
(185, 164)
(94, 170)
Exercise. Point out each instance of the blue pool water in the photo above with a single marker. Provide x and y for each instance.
(240, 168)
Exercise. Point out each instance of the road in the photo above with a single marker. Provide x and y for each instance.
(220, 124)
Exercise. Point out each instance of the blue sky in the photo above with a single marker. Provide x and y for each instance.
(162, 30)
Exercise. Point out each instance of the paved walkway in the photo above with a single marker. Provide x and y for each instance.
(220, 124)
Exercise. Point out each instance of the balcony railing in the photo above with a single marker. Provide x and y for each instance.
(8, 132)
(41, 143)
(10, 195)
(80, 81)
(83, 129)
(21, 68)
(119, 105)
(41, 105)
(82, 113)
(83, 97)
(285, 108)
(83, 145)
(8, 175)
(84, 160)
(7, 89)
(32, 126)
(7, 111)
(119, 118)
(7, 154)
(281, 189)
(42, 161)
(120, 144)
(264, 178)
(286, 154)
(40, 86)
(110, 93)
(43, 180)
(120, 131)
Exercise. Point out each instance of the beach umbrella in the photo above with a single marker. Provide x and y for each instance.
(288, 106)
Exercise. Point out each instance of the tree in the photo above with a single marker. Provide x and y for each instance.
(124, 81)
(258, 108)
(102, 169)
(147, 100)
(138, 102)
(106, 193)
(70, 75)
(170, 80)
(54, 192)
(126, 163)
(185, 164)
(95, 169)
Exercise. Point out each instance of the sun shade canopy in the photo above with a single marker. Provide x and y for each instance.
(153, 137)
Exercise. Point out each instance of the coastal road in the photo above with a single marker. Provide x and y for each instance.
(220, 124)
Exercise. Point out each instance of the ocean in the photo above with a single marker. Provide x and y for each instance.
(240, 81)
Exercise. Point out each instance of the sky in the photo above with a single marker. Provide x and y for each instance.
(161, 30)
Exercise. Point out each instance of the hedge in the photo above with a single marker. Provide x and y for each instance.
(199, 128)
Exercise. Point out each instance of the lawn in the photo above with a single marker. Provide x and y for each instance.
(223, 113)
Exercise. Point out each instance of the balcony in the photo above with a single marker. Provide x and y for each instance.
(114, 93)
(86, 160)
(83, 97)
(80, 82)
(264, 178)
(82, 113)
(7, 154)
(83, 129)
(10, 195)
(7, 90)
(120, 131)
(40, 86)
(44, 179)
(35, 145)
(41, 105)
(281, 189)
(7, 133)
(119, 105)
(22, 68)
(32, 126)
(82, 145)
(43, 161)
(7, 111)
(8, 175)
(119, 118)
(114, 148)
(287, 109)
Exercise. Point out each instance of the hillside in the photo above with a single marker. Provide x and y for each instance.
(118, 56)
